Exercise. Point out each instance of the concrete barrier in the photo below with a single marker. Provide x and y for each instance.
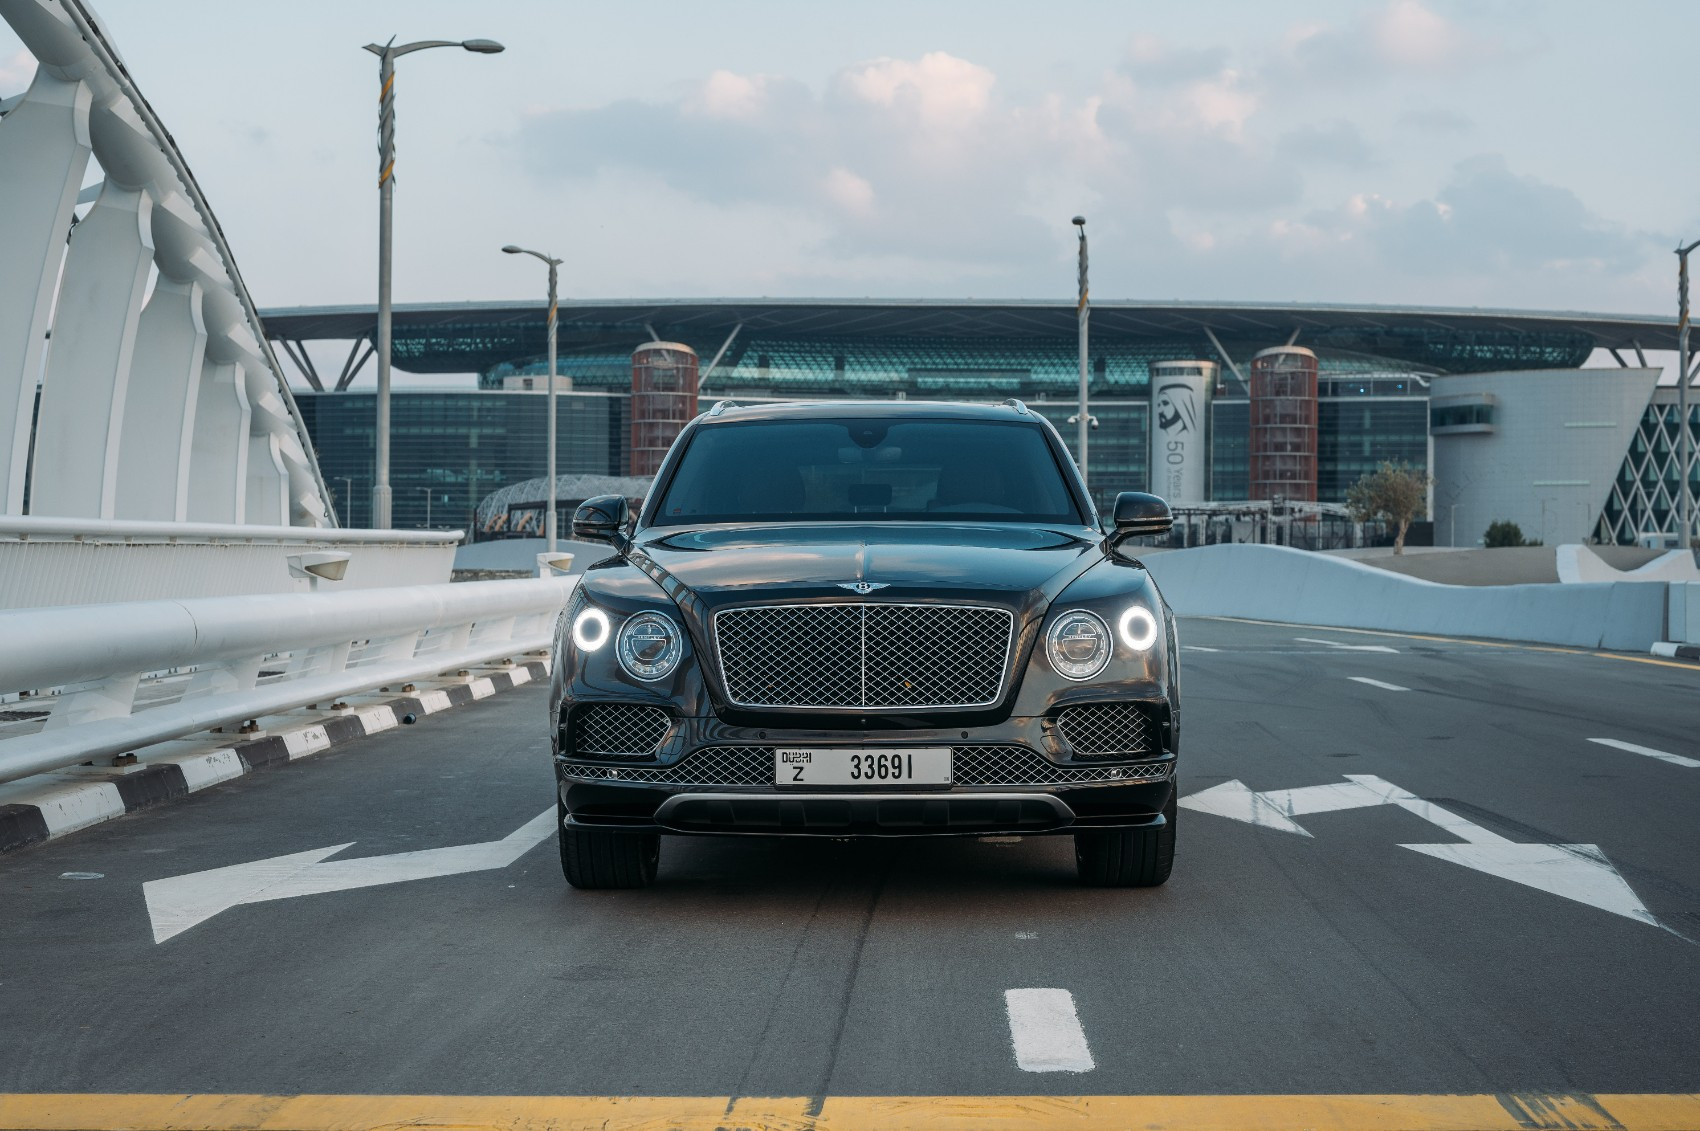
(1299, 587)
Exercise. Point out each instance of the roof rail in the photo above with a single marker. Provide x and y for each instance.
(721, 406)
(1018, 406)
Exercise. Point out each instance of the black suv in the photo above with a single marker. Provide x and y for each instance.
(866, 619)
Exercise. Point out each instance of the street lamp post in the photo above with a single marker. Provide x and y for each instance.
(1083, 312)
(347, 497)
(387, 54)
(427, 491)
(549, 519)
(1685, 438)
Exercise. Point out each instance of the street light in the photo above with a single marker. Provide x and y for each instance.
(1083, 313)
(387, 54)
(549, 520)
(427, 491)
(1685, 439)
(347, 497)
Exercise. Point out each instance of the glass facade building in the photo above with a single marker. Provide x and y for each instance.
(452, 448)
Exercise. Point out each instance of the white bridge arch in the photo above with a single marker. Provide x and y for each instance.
(160, 398)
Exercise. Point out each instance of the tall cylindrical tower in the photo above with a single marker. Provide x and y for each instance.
(664, 398)
(1180, 429)
(1283, 424)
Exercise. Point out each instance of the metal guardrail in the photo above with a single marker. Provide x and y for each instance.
(47, 528)
(218, 661)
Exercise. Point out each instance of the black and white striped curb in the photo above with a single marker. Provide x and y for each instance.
(1677, 651)
(42, 809)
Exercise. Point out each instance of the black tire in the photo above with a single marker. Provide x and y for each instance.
(594, 859)
(1127, 858)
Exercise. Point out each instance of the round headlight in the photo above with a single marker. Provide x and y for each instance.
(1138, 628)
(1078, 644)
(590, 629)
(650, 646)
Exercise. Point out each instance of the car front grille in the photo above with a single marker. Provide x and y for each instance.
(971, 765)
(1108, 730)
(619, 730)
(860, 656)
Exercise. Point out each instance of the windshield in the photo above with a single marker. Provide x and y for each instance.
(868, 468)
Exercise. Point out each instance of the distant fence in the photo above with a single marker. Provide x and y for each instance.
(1280, 584)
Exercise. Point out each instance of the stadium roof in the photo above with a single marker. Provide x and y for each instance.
(466, 336)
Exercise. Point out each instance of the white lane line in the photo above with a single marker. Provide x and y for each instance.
(1673, 759)
(1046, 1031)
(1198, 648)
(1376, 683)
(1348, 647)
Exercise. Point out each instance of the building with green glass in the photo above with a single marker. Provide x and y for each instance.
(451, 447)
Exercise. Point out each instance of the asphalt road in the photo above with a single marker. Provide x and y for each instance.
(1272, 962)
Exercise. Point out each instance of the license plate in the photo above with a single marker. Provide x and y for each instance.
(835, 766)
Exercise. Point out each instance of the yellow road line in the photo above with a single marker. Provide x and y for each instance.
(1465, 640)
(1511, 1112)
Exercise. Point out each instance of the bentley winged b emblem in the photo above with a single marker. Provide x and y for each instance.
(862, 588)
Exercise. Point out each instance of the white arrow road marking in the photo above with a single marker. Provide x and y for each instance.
(1376, 683)
(1046, 1031)
(1275, 809)
(177, 903)
(1673, 759)
(1348, 647)
(1578, 872)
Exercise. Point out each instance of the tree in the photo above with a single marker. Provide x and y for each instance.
(1504, 532)
(1395, 492)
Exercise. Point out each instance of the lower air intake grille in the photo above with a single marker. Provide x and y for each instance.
(619, 730)
(715, 765)
(1017, 765)
(1108, 730)
(972, 765)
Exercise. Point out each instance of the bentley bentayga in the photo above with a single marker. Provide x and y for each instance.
(866, 619)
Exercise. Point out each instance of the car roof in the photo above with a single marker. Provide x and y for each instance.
(728, 412)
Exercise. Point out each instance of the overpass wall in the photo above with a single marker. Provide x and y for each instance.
(1298, 587)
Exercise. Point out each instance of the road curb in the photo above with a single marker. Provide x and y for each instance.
(1675, 651)
(67, 801)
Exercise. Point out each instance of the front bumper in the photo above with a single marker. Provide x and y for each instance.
(719, 779)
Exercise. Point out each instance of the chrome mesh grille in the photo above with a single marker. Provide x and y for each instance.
(714, 765)
(863, 656)
(1018, 765)
(619, 730)
(972, 765)
(1104, 730)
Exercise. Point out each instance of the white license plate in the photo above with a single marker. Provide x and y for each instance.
(834, 766)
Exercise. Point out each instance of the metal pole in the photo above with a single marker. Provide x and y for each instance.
(386, 205)
(1685, 438)
(1084, 313)
(551, 526)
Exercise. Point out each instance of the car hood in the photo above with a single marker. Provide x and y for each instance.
(1015, 566)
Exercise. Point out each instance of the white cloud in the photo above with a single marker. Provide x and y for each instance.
(850, 192)
(1409, 33)
(1190, 165)
(16, 71)
(727, 95)
(940, 89)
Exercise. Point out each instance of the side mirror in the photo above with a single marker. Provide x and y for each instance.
(1139, 515)
(601, 519)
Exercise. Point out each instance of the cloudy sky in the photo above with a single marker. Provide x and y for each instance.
(1520, 153)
